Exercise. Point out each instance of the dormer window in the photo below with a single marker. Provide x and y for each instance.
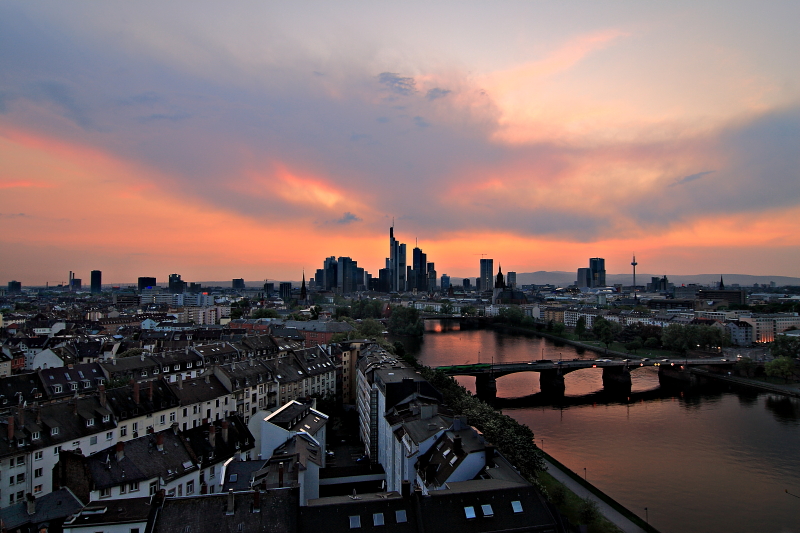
(106, 418)
(36, 435)
(176, 368)
(53, 431)
(188, 365)
(56, 389)
(90, 422)
(73, 386)
(155, 371)
(86, 383)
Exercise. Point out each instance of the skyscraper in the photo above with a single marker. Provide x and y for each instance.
(176, 284)
(396, 264)
(584, 277)
(286, 291)
(96, 280)
(597, 265)
(511, 280)
(486, 281)
(237, 284)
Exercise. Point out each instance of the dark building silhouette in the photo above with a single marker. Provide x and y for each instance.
(14, 287)
(176, 284)
(597, 265)
(96, 281)
(286, 291)
(237, 284)
(145, 282)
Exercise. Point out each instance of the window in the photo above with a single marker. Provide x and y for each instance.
(123, 430)
(109, 435)
(37, 456)
(56, 450)
(105, 493)
(377, 519)
(162, 419)
(355, 522)
(180, 490)
(487, 511)
(172, 416)
(21, 478)
(185, 412)
(53, 431)
(194, 410)
(56, 389)
(133, 487)
(155, 371)
(188, 365)
(38, 472)
(92, 440)
(153, 487)
(20, 460)
(189, 487)
(90, 422)
(73, 385)
(106, 418)
(212, 472)
(122, 489)
(37, 489)
(176, 368)
(469, 512)
(400, 516)
(10, 481)
(36, 435)
(144, 373)
(135, 427)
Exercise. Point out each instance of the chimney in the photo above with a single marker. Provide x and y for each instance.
(280, 476)
(160, 442)
(31, 501)
(150, 391)
(120, 451)
(38, 414)
(21, 414)
(488, 450)
(212, 435)
(225, 431)
(180, 381)
(405, 488)
(102, 395)
(457, 444)
(257, 501)
(229, 507)
(136, 392)
(10, 428)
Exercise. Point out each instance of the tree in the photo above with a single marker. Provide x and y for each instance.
(315, 311)
(511, 315)
(675, 338)
(604, 330)
(782, 367)
(580, 327)
(745, 366)
(370, 328)
(341, 312)
(558, 329)
(468, 310)
(264, 313)
(405, 321)
(784, 346)
(633, 345)
(446, 309)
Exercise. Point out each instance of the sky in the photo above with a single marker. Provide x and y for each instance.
(254, 139)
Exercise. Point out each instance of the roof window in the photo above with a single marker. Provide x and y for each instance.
(469, 512)
(487, 511)
(355, 521)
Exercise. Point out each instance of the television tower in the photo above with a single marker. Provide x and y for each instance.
(633, 264)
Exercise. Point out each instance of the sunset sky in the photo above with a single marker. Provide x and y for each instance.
(223, 140)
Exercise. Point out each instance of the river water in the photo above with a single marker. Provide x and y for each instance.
(709, 459)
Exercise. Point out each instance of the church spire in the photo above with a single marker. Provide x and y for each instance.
(303, 293)
(721, 283)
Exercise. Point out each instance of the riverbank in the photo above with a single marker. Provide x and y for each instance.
(613, 511)
(789, 389)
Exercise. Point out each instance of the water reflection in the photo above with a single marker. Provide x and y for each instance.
(701, 458)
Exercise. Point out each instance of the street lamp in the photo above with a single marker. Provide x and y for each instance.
(646, 517)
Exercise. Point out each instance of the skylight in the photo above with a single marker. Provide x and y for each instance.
(469, 511)
(486, 509)
(516, 505)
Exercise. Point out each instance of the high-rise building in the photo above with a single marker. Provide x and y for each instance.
(419, 272)
(96, 280)
(467, 284)
(145, 282)
(14, 287)
(511, 280)
(431, 278)
(598, 267)
(584, 277)
(77, 284)
(237, 284)
(487, 267)
(396, 264)
(286, 291)
(176, 284)
(445, 282)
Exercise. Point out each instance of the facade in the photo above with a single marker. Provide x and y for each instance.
(486, 277)
(597, 267)
(96, 282)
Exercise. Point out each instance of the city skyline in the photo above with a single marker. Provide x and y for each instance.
(139, 139)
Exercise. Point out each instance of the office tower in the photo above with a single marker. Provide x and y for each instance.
(176, 285)
(487, 267)
(77, 284)
(346, 275)
(419, 273)
(286, 291)
(431, 278)
(584, 277)
(467, 284)
(598, 267)
(14, 287)
(96, 281)
(237, 284)
(445, 282)
(511, 280)
(145, 282)
(195, 288)
(396, 264)
(269, 288)
(330, 274)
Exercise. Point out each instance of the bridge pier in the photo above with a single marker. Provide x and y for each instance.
(616, 378)
(552, 381)
(672, 375)
(486, 387)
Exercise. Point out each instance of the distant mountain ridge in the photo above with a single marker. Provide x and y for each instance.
(567, 278)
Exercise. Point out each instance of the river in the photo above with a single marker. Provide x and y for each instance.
(709, 459)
